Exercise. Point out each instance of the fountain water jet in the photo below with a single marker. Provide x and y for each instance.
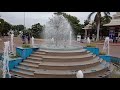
(12, 44)
(58, 34)
(6, 60)
(106, 46)
(33, 41)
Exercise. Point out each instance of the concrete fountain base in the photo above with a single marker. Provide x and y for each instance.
(61, 64)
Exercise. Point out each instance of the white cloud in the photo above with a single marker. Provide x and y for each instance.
(31, 18)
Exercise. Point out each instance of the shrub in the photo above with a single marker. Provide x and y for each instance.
(26, 46)
(102, 53)
(14, 56)
(91, 45)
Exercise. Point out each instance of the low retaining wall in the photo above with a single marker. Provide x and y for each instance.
(25, 52)
(14, 62)
(107, 58)
(93, 50)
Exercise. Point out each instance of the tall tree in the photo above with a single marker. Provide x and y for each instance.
(36, 30)
(6, 28)
(104, 20)
(97, 19)
(17, 28)
(1, 25)
(86, 22)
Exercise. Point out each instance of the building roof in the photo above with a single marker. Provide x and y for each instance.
(115, 20)
(89, 26)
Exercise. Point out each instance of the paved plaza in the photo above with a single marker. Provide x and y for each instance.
(114, 48)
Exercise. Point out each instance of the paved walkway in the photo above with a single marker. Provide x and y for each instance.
(114, 48)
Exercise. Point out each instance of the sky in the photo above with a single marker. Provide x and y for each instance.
(31, 18)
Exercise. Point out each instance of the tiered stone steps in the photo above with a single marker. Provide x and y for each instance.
(54, 64)
(43, 73)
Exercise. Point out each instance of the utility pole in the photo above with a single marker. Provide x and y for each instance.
(24, 20)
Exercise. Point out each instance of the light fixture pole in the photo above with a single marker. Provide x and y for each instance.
(24, 20)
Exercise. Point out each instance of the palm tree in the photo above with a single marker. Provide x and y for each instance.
(97, 19)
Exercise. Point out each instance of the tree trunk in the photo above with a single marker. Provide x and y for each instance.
(98, 28)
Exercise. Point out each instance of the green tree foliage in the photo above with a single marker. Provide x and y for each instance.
(36, 30)
(17, 28)
(105, 20)
(1, 26)
(86, 22)
(4, 27)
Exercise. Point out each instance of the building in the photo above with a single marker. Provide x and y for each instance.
(114, 25)
(88, 30)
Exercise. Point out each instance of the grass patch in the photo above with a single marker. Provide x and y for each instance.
(26, 46)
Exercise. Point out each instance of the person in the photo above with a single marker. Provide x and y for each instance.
(28, 37)
(24, 38)
(114, 38)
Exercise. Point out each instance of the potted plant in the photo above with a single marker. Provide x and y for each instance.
(26, 50)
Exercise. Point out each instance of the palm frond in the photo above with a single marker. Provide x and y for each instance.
(89, 16)
(97, 17)
(106, 13)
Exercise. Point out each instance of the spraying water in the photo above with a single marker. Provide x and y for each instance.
(33, 41)
(70, 37)
(88, 40)
(6, 60)
(79, 74)
(58, 33)
(12, 44)
(106, 46)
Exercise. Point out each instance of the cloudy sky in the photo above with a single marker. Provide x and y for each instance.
(31, 18)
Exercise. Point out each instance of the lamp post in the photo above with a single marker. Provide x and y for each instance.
(24, 20)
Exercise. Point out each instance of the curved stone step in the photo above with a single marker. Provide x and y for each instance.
(68, 59)
(26, 68)
(69, 65)
(63, 53)
(21, 73)
(29, 65)
(39, 53)
(32, 61)
(35, 58)
(69, 73)
(41, 73)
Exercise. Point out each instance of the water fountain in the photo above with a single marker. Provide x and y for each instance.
(33, 41)
(12, 44)
(61, 56)
(106, 46)
(79, 74)
(6, 72)
(88, 40)
(70, 37)
(58, 34)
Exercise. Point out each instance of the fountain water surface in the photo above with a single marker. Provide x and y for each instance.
(58, 34)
